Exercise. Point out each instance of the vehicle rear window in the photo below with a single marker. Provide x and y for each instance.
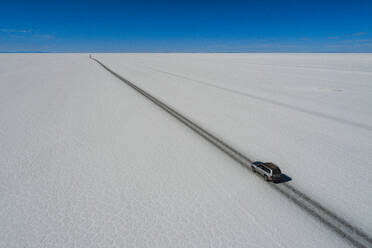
(276, 171)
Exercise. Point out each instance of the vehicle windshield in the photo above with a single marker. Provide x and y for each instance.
(276, 171)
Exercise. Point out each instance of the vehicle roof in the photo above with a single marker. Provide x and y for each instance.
(271, 165)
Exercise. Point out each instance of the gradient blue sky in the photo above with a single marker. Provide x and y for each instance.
(186, 26)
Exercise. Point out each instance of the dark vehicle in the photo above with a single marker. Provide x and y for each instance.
(269, 171)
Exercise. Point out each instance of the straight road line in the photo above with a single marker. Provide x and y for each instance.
(343, 228)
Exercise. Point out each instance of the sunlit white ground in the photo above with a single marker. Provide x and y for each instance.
(86, 161)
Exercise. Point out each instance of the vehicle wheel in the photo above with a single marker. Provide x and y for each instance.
(254, 171)
(266, 178)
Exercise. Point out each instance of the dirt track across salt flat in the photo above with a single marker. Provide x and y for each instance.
(342, 227)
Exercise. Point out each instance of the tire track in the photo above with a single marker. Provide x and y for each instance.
(271, 101)
(340, 226)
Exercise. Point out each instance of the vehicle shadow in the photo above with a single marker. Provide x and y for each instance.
(283, 179)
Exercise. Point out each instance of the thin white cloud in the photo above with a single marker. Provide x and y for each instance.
(346, 36)
(359, 33)
(43, 36)
(6, 30)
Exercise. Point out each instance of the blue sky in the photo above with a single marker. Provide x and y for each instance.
(186, 26)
